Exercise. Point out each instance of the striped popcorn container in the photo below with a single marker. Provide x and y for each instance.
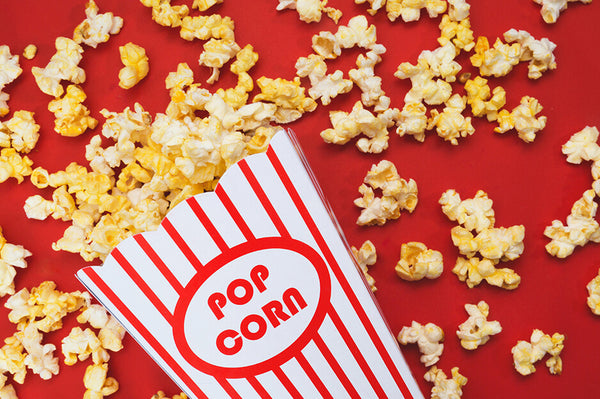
(251, 291)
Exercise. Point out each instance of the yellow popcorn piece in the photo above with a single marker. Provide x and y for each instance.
(8, 392)
(450, 124)
(111, 332)
(484, 101)
(80, 344)
(323, 86)
(428, 337)
(163, 13)
(583, 146)
(310, 10)
(523, 119)
(287, 95)
(418, 262)
(397, 194)
(96, 28)
(216, 53)
(551, 8)
(501, 243)
(9, 71)
(497, 60)
(72, 117)
(12, 359)
(457, 32)
(412, 121)
(410, 10)
(13, 165)
(136, 65)
(525, 354)
(96, 382)
(62, 66)
(539, 53)
(30, 51)
(444, 387)
(366, 256)
(476, 330)
(207, 27)
(40, 358)
(161, 395)
(203, 5)
(474, 270)
(473, 213)
(21, 130)
(593, 300)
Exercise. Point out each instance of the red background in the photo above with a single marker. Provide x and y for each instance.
(530, 184)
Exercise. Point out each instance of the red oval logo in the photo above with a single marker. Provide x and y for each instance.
(253, 307)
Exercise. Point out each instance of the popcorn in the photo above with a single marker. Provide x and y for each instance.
(72, 117)
(459, 33)
(9, 71)
(161, 395)
(136, 65)
(203, 5)
(477, 329)
(62, 66)
(8, 392)
(40, 358)
(323, 86)
(310, 10)
(458, 10)
(482, 101)
(593, 299)
(450, 124)
(163, 13)
(96, 382)
(551, 8)
(410, 10)
(358, 32)
(111, 332)
(80, 344)
(397, 194)
(326, 45)
(523, 119)
(11, 256)
(444, 387)
(539, 53)
(30, 51)
(496, 61)
(21, 130)
(474, 270)
(473, 213)
(428, 337)
(207, 27)
(418, 262)
(412, 121)
(366, 256)
(526, 353)
(216, 53)
(96, 28)
(367, 81)
(582, 146)
(424, 87)
(12, 359)
(287, 95)
(13, 165)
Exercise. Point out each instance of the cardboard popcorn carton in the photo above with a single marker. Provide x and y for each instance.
(251, 291)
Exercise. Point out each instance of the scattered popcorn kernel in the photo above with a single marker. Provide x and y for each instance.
(525, 354)
(482, 100)
(459, 33)
(412, 121)
(366, 256)
(163, 13)
(161, 395)
(216, 53)
(80, 344)
(424, 87)
(364, 77)
(501, 243)
(324, 86)
(495, 61)
(287, 95)
(9, 71)
(410, 10)
(310, 10)
(96, 28)
(551, 8)
(477, 329)
(539, 53)
(22, 131)
(358, 32)
(12, 359)
(593, 299)
(136, 65)
(72, 117)
(523, 119)
(443, 387)
(450, 124)
(458, 10)
(62, 66)
(397, 194)
(30, 51)
(326, 45)
(474, 270)
(205, 27)
(96, 382)
(418, 262)
(203, 5)
(582, 146)
(111, 332)
(40, 358)
(11, 256)
(428, 337)
(473, 213)
(13, 165)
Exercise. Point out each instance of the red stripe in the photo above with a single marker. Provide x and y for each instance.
(339, 324)
(339, 274)
(258, 387)
(235, 214)
(146, 335)
(139, 281)
(289, 386)
(181, 244)
(207, 224)
(228, 388)
(158, 262)
(314, 378)
(335, 366)
(262, 197)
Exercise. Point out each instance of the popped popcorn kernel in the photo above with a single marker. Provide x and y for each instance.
(97, 383)
(310, 10)
(482, 100)
(525, 354)
(364, 77)
(428, 337)
(9, 71)
(12, 358)
(410, 10)
(418, 262)
(551, 8)
(64, 65)
(136, 65)
(11, 256)
(203, 5)
(443, 387)
(40, 358)
(473, 213)
(110, 333)
(216, 53)
(30, 51)
(287, 95)
(366, 256)
(539, 53)
(165, 14)
(458, 10)
(21, 130)
(474, 270)
(424, 86)
(161, 395)
(523, 119)
(450, 124)
(582, 146)
(205, 27)
(72, 117)
(12, 164)
(323, 86)
(457, 32)
(593, 299)
(476, 330)
(497, 60)
(80, 344)
(397, 194)
(412, 121)
(96, 28)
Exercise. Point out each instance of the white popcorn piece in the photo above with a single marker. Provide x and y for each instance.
(111, 332)
(458, 10)
(96, 28)
(11, 256)
(424, 86)
(501, 243)
(80, 344)
(450, 124)
(21, 130)
(40, 358)
(539, 53)
(523, 119)
(326, 45)
(357, 32)
(410, 10)
(583, 146)
(476, 330)
(443, 387)
(412, 121)
(498, 60)
(473, 213)
(216, 53)
(62, 66)
(364, 77)
(441, 62)
(593, 300)
(474, 270)
(551, 8)
(9, 71)
(366, 256)
(418, 262)
(324, 86)
(525, 354)
(310, 10)
(428, 337)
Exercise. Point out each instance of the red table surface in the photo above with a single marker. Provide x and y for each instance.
(531, 184)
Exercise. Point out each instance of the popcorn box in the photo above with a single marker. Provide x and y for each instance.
(251, 291)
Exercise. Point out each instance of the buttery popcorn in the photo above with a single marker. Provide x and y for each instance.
(428, 337)
(473, 213)
(551, 8)
(412, 121)
(287, 95)
(397, 194)
(539, 53)
(366, 256)
(96, 28)
(205, 27)
(135, 64)
(9, 71)
(216, 53)
(110, 333)
(20, 132)
(424, 87)
(523, 119)
(324, 86)
(30, 51)
(64, 65)
(12, 164)
(72, 117)
(497, 60)
(410, 10)
(450, 124)
(444, 387)
(482, 100)
(203, 5)
(525, 354)
(80, 344)
(593, 299)
(310, 10)
(357, 32)
(161, 395)
(583, 146)
(40, 358)
(370, 84)
(494, 243)
(476, 330)
(418, 262)
(457, 32)
(474, 270)
(163, 13)
(11, 256)
(97, 383)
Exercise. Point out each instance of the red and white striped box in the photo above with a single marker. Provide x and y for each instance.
(251, 291)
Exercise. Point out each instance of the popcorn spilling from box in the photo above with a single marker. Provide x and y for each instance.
(252, 290)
